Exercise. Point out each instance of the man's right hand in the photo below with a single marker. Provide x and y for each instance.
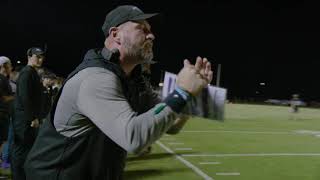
(193, 78)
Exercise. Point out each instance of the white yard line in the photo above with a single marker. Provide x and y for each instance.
(307, 132)
(175, 143)
(183, 149)
(228, 174)
(185, 162)
(244, 132)
(251, 155)
(167, 139)
(209, 163)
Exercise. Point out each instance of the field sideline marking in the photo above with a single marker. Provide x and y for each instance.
(185, 162)
(245, 132)
(183, 149)
(168, 139)
(175, 143)
(251, 155)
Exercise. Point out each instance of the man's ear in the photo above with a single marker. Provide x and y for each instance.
(114, 33)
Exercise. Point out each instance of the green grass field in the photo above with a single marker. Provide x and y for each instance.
(254, 142)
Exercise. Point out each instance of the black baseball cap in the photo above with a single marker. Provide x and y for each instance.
(122, 14)
(36, 51)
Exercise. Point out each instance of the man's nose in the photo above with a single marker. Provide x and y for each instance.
(151, 36)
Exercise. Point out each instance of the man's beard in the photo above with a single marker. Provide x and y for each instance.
(38, 65)
(143, 53)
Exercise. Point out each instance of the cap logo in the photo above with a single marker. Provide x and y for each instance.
(135, 8)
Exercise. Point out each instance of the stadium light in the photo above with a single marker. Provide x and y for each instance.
(262, 84)
(18, 62)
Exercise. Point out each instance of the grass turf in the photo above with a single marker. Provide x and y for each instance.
(247, 129)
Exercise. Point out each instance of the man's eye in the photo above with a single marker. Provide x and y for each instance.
(146, 30)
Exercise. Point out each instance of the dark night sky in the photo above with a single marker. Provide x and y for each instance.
(276, 43)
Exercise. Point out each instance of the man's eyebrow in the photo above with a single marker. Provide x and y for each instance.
(144, 25)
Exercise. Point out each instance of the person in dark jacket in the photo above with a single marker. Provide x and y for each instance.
(27, 111)
(47, 80)
(6, 97)
(94, 121)
(7, 146)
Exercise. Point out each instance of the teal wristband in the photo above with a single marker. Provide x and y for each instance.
(184, 94)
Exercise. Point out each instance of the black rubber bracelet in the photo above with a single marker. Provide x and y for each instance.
(175, 101)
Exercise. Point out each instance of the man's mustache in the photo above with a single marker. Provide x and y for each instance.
(148, 44)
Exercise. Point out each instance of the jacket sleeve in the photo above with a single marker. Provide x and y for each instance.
(101, 99)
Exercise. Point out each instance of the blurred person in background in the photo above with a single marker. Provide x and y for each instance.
(6, 152)
(27, 111)
(14, 77)
(48, 80)
(295, 102)
(6, 97)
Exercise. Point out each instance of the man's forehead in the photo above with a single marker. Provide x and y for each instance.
(139, 23)
(145, 23)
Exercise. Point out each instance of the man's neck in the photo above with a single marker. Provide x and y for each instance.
(127, 65)
(127, 68)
